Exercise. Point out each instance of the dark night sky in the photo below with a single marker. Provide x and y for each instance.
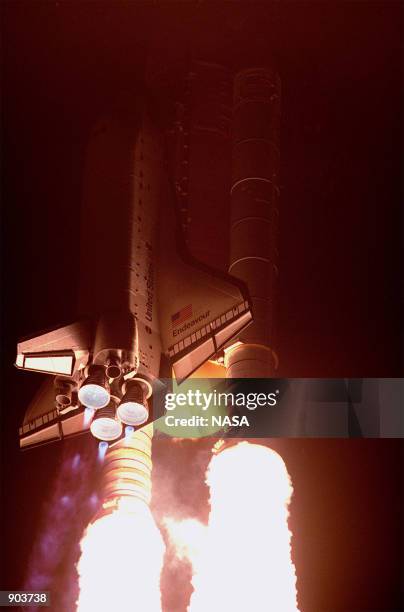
(340, 309)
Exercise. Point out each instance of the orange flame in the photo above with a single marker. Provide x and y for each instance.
(242, 559)
(186, 537)
(121, 561)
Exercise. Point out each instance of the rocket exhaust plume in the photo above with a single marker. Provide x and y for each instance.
(53, 547)
(122, 549)
(244, 559)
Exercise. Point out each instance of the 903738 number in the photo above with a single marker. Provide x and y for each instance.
(24, 598)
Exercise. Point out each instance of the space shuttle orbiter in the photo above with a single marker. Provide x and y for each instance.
(148, 307)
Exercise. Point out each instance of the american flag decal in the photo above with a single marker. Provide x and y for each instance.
(181, 316)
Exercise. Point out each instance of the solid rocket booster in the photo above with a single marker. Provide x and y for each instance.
(126, 476)
(254, 215)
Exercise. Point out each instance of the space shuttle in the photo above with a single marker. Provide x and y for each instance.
(148, 310)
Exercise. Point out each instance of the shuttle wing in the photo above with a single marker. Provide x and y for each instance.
(44, 423)
(60, 351)
(201, 311)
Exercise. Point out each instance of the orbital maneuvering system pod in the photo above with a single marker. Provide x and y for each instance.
(147, 309)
